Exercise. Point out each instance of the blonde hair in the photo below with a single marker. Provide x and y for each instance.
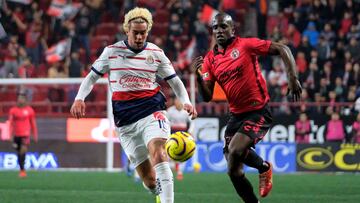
(139, 15)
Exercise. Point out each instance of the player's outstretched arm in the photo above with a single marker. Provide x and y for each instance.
(206, 88)
(294, 87)
(78, 107)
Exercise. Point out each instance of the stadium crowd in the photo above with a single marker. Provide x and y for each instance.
(324, 36)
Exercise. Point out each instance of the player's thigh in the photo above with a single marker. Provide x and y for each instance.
(156, 126)
(251, 124)
(132, 143)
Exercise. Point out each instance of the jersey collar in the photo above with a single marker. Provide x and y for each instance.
(229, 42)
(135, 50)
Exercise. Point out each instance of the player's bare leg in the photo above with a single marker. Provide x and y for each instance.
(237, 150)
(164, 176)
(147, 175)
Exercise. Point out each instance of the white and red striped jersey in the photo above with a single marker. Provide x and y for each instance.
(132, 76)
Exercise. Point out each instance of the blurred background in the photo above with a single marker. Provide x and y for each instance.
(61, 38)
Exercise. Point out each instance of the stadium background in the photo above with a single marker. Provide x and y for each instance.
(60, 39)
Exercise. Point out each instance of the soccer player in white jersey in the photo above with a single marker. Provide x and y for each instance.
(138, 104)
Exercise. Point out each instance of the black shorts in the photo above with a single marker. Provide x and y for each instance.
(19, 141)
(254, 124)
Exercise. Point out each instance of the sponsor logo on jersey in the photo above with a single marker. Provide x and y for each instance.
(150, 59)
(235, 54)
(205, 75)
(132, 81)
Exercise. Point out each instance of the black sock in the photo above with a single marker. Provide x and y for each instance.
(21, 160)
(255, 161)
(244, 189)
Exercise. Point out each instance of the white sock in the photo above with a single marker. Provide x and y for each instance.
(165, 181)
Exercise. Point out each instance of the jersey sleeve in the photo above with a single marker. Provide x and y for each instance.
(206, 70)
(166, 70)
(257, 46)
(101, 65)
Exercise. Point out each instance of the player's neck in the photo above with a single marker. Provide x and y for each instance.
(221, 47)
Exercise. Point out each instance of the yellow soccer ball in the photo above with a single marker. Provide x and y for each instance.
(180, 146)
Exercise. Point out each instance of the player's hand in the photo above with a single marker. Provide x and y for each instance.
(294, 88)
(78, 109)
(196, 65)
(191, 110)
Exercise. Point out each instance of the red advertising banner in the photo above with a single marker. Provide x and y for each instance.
(88, 130)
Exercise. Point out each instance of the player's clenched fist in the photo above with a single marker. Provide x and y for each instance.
(78, 109)
(196, 65)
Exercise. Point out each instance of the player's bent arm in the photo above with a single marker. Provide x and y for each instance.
(87, 85)
(78, 107)
(286, 56)
(206, 88)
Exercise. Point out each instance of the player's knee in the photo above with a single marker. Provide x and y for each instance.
(236, 154)
(23, 149)
(159, 156)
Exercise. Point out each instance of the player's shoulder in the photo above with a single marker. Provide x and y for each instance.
(12, 109)
(30, 108)
(153, 47)
(120, 45)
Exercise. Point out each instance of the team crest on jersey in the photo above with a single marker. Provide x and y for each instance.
(235, 54)
(150, 59)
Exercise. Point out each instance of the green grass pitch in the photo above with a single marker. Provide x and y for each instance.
(102, 187)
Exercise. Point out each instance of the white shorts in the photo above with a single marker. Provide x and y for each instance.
(135, 137)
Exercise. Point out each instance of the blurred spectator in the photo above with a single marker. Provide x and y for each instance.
(335, 129)
(293, 35)
(355, 133)
(302, 129)
(353, 33)
(34, 41)
(305, 47)
(346, 23)
(348, 77)
(56, 93)
(356, 74)
(84, 28)
(328, 34)
(75, 66)
(340, 90)
(312, 34)
(275, 34)
(12, 57)
(323, 49)
(301, 64)
(201, 35)
(120, 35)
(262, 7)
(354, 49)
(26, 69)
(311, 79)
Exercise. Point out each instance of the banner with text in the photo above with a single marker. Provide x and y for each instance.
(210, 156)
(328, 157)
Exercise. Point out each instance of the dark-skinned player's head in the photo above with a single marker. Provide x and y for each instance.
(222, 28)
